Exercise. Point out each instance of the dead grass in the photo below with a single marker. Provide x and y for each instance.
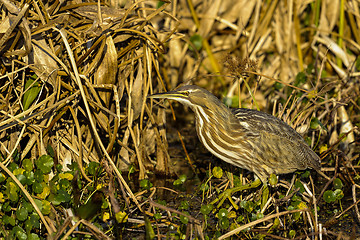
(75, 78)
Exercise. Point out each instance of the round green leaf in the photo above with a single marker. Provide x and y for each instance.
(224, 223)
(33, 236)
(180, 180)
(46, 207)
(12, 190)
(206, 209)
(247, 205)
(37, 187)
(223, 213)
(292, 233)
(30, 177)
(329, 196)
(145, 184)
(28, 206)
(22, 179)
(27, 165)
(184, 220)
(338, 183)
(7, 220)
(273, 180)
(19, 233)
(338, 194)
(60, 197)
(21, 214)
(45, 163)
(35, 219)
(39, 176)
(217, 172)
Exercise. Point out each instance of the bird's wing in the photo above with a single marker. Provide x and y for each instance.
(271, 129)
(258, 122)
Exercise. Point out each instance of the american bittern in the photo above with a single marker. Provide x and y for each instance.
(246, 138)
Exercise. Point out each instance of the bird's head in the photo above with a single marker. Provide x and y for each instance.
(190, 95)
(196, 97)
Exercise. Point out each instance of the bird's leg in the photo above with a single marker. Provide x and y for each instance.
(228, 193)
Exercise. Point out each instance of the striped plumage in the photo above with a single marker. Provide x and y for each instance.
(246, 138)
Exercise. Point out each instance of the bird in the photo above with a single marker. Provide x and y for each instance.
(246, 138)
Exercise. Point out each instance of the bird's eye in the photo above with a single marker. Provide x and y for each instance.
(186, 93)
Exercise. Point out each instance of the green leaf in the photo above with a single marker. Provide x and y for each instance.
(206, 209)
(259, 215)
(145, 184)
(21, 214)
(32, 90)
(19, 233)
(223, 213)
(292, 233)
(338, 194)
(306, 174)
(50, 150)
(357, 63)
(33, 236)
(7, 220)
(30, 178)
(37, 187)
(93, 168)
(338, 183)
(184, 220)
(224, 223)
(12, 191)
(157, 216)
(300, 79)
(298, 184)
(160, 3)
(329, 196)
(217, 172)
(273, 180)
(247, 205)
(278, 85)
(39, 176)
(35, 220)
(61, 196)
(197, 41)
(314, 123)
(46, 209)
(122, 217)
(2, 177)
(28, 206)
(38, 203)
(184, 205)
(180, 180)
(21, 178)
(149, 231)
(45, 163)
(27, 165)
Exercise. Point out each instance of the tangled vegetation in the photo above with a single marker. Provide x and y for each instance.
(85, 155)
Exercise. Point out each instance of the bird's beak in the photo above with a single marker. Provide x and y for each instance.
(169, 95)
